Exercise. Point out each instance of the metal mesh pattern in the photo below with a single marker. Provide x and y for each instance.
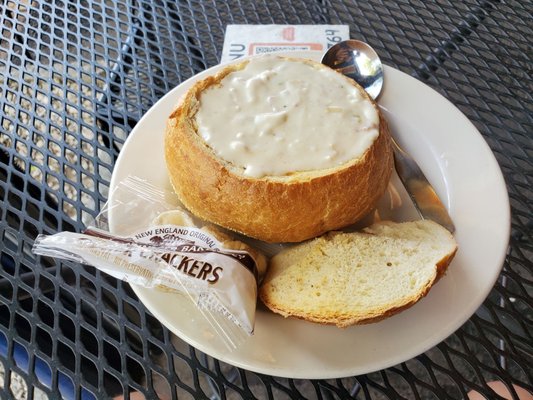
(76, 76)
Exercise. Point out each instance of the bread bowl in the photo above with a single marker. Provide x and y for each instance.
(278, 205)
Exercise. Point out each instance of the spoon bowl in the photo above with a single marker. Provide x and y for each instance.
(359, 61)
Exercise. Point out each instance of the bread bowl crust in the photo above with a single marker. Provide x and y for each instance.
(289, 208)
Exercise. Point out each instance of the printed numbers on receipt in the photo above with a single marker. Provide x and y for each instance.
(332, 37)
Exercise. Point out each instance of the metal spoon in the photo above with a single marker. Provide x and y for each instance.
(359, 61)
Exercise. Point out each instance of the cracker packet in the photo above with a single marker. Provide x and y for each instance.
(142, 238)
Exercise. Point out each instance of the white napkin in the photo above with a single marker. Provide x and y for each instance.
(244, 40)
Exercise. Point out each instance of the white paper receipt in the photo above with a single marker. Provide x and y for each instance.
(247, 40)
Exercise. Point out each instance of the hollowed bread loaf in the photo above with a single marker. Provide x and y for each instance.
(260, 149)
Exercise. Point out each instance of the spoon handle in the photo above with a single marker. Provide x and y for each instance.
(424, 198)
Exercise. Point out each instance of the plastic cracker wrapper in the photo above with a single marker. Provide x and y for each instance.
(162, 246)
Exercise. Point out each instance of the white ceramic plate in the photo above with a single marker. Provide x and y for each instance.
(464, 173)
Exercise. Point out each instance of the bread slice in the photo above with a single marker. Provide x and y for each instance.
(288, 208)
(361, 277)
